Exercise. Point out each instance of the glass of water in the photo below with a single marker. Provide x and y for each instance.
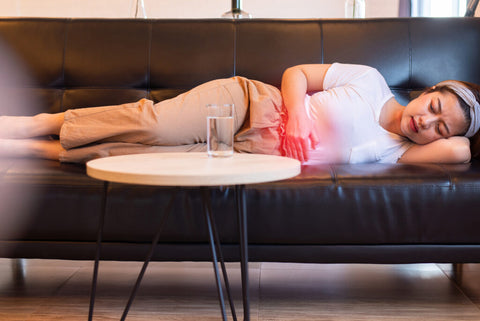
(220, 130)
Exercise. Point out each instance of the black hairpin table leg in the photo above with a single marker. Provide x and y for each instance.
(97, 255)
(242, 223)
(145, 264)
(156, 238)
(216, 251)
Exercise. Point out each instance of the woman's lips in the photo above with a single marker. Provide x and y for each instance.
(413, 125)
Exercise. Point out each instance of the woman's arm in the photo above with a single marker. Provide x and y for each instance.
(448, 150)
(297, 81)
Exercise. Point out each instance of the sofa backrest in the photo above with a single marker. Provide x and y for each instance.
(91, 62)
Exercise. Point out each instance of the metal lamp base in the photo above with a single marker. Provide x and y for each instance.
(237, 14)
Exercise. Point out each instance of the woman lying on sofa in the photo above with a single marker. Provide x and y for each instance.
(324, 113)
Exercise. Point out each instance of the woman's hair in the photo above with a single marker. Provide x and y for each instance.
(475, 140)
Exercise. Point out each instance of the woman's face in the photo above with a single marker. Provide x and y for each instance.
(433, 116)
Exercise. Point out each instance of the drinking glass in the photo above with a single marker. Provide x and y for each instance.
(137, 9)
(220, 130)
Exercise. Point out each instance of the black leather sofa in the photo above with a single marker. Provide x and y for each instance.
(331, 213)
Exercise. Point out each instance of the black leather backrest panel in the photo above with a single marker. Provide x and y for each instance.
(266, 48)
(382, 44)
(445, 49)
(40, 45)
(107, 54)
(187, 53)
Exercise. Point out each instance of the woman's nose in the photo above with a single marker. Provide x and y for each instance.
(427, 121)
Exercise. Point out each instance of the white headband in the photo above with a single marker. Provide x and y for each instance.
(466, 94)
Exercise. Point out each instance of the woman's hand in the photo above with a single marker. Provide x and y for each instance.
(299, 138)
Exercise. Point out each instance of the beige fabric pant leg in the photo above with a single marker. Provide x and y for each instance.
(177, 124)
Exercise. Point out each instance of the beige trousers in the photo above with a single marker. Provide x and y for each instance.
(178, 124)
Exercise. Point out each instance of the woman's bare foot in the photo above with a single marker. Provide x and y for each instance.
(31, 148)
(19, 127)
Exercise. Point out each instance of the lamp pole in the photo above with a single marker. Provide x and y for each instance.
(471, 8)
(236, 6)
(236, 12)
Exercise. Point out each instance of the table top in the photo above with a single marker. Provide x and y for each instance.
(193, 169)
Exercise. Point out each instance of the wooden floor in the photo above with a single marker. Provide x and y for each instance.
(59, 290)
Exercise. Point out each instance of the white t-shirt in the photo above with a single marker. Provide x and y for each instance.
(346, 118)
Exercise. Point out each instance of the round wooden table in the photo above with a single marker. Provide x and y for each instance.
(192, 169)
(197, 170)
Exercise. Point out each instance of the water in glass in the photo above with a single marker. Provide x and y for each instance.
(220, 136)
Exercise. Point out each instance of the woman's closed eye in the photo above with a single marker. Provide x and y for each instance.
(436, 108)
(437, 129)
(440, 128)
(443, 130)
